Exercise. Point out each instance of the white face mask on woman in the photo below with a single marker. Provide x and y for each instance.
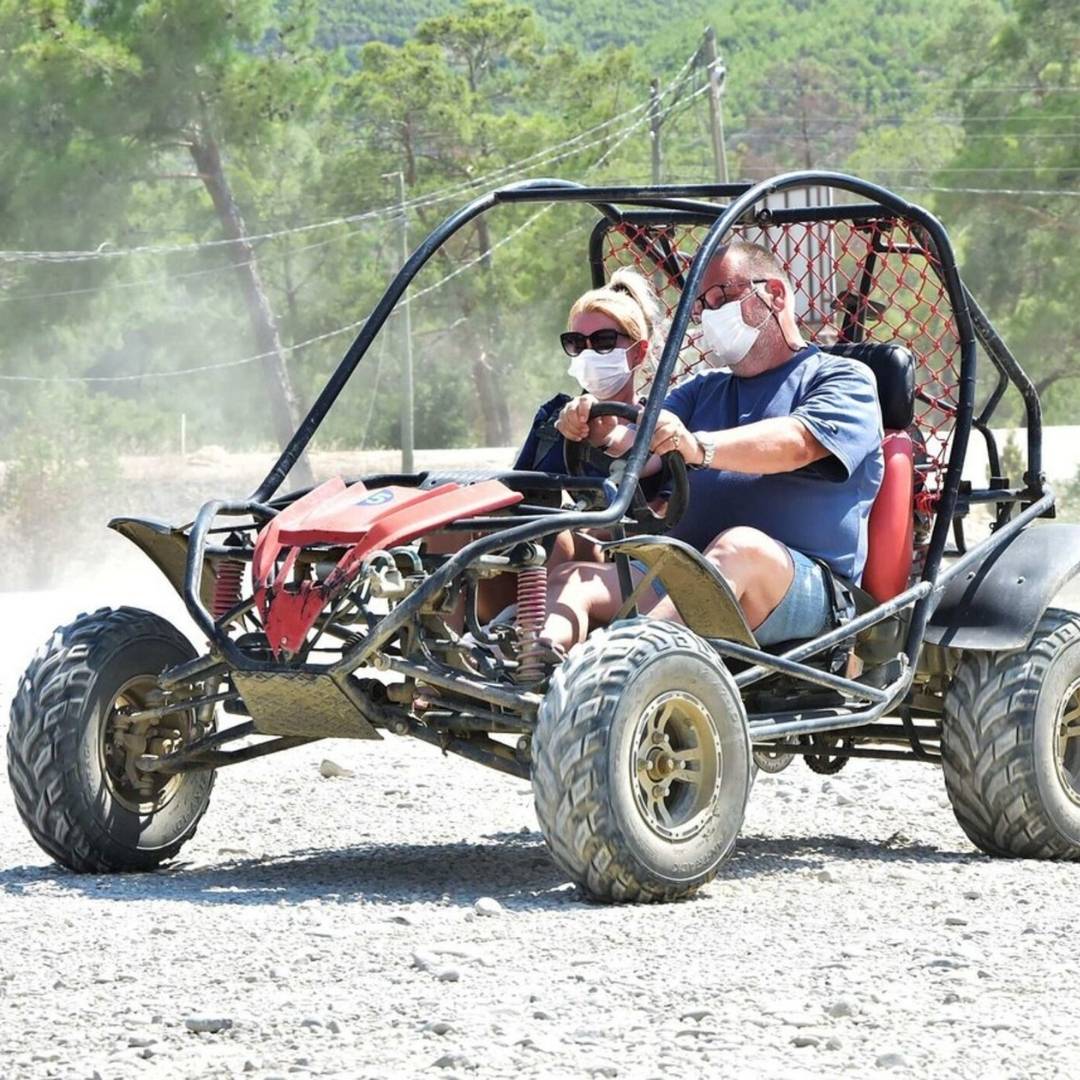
(729, 339)
(601, 374)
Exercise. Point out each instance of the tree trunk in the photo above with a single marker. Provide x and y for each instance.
(284, 408)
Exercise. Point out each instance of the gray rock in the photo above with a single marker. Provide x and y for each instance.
(207, 1024)
(805, 1039)
(833, 1043)
(826, 875)
(452, 1061)
(439, 1027)
(697, 1015)
(892, 1061)
(333, 1027)
(333, 771)
(841, 1008)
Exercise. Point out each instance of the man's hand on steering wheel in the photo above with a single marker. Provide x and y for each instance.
(672, 435)
(574, 425)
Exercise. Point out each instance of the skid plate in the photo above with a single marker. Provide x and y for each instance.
(305, 704)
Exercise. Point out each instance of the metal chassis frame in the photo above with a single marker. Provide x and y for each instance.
(668, 204)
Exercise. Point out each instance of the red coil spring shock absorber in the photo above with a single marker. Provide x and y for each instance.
(227, 584)
(531, 615)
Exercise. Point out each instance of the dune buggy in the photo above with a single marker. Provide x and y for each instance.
(328, 614)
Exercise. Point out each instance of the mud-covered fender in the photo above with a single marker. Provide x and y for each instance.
(996, 606)
(166, 546)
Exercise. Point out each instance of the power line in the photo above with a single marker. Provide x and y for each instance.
(157, 279)
(537, 158)
(542, 157)
(1015, 88)
(625, 134)
(994, 191)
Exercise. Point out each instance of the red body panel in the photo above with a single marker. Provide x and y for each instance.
(892, 525)
(369, 521)
(267, 545)
(348, 516)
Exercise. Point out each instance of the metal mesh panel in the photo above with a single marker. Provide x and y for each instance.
(871, 280)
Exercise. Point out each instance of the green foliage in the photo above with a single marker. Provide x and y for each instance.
(587, 25)
(1018, 252)
(312, 104)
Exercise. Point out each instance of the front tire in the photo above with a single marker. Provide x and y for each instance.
(1010, 744)
(641, 763)
(70, 748)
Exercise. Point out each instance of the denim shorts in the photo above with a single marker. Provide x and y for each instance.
(805, 611)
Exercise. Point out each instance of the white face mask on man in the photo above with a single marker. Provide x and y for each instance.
(729, 338)
(601, 374)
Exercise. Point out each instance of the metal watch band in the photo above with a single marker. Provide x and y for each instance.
(708, 448)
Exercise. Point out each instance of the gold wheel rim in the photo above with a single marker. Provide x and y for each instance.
(1067, 742)
(121, 742)
(677, 765)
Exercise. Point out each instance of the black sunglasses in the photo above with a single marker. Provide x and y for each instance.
(601, 341)
(716, 296)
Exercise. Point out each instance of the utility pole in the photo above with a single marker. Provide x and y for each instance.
(656, 120)
(717, 75)
(408, 437)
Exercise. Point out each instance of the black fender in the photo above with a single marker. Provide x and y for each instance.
(996, 606)
(166, 547)
(702, 597)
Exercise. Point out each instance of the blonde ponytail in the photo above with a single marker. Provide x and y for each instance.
(628, 299)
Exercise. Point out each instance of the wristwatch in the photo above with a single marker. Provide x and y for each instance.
(708, 449)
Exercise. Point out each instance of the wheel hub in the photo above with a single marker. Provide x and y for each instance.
(677, 765)
(1067, 742)
(124, 741)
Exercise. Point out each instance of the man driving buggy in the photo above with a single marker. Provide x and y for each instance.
(784, 446)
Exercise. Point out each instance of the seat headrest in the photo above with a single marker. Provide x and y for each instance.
(894, 370)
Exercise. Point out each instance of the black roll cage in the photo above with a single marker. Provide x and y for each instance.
(670, 204)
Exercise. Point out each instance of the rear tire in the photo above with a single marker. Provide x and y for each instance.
(66, 762)
(641, 763)
(1010, 744)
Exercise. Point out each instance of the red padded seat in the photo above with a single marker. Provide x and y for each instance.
(891, 535)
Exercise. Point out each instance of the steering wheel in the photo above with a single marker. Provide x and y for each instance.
(578, 453)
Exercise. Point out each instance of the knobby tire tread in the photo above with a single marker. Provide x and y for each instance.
(569, 752)
(987, 745)
(46, 718)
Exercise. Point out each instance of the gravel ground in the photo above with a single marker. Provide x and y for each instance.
(333, 924)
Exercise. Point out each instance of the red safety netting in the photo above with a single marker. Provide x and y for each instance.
(869, 280)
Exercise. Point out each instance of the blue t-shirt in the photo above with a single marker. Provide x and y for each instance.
(820, 510)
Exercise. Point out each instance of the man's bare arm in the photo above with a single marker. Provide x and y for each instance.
(778, 445)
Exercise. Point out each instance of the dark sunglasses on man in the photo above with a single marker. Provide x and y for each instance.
(601, 341)
(716, 296)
